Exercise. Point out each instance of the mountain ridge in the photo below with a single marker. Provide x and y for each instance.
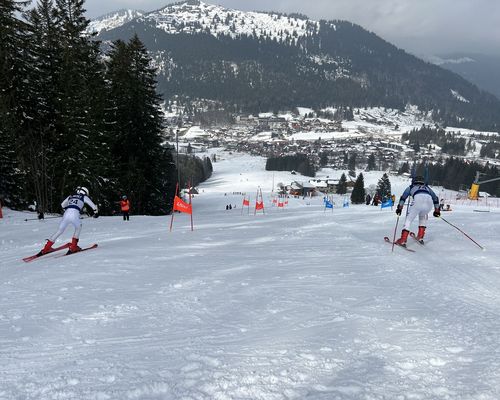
(256, 61)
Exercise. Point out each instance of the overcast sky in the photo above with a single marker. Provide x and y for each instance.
(423, 27)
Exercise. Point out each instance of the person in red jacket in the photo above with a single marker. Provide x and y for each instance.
(125, 207)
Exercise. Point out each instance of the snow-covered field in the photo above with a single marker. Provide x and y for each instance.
(291, 304)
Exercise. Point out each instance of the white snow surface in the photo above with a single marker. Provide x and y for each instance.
(291, 304)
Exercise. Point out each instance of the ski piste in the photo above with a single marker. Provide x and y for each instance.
(419, 241)
(399, 245)
(93, 246)
(40, 254)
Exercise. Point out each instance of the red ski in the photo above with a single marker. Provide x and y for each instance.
(40, 254)
(403, 246)
(79, 251)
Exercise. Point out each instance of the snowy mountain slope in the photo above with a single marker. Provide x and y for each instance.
(270, 61)
(113, 20)
(293, 304)
(199, 17)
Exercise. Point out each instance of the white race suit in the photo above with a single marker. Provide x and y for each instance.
(73, 205)
(424, 200)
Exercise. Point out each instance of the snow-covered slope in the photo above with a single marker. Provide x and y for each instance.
(290, 304)
(197, 16)
(113, 20)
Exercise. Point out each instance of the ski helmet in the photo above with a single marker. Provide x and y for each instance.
(82, 190)
(418, 180)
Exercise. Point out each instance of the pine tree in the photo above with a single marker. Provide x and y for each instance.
(405, 168)
(40, 122)
(60, 139)
(144, 168)
(78, 143)
(12, 74)
(342, 185)
(351, 165)
(358, 192)
(371, 163)
(384, 187)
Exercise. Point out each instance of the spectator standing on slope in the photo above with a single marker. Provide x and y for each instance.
(125, 208)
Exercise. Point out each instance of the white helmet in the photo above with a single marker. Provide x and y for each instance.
(82, 190)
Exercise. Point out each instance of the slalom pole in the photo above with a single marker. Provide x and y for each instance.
(191, 204)
(462, 232)
(173, 207)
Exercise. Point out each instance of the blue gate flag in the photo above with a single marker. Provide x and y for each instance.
(387, 203)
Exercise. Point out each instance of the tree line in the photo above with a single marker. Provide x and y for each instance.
(456, 174)
(297, 162)
(450, 142)
(73, 116)
(194, 170)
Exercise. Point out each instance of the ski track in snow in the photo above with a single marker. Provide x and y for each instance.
(293, 304)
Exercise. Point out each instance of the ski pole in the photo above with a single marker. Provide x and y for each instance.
(41, 219)
(395, 231)
(461, 231)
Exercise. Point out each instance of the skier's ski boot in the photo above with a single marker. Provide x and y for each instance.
(47, 248)
(73, 247)
(404, 237)
(421, 233)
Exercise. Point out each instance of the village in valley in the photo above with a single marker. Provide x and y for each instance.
(367, 139)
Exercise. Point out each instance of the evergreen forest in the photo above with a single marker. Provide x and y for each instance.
(72, 116)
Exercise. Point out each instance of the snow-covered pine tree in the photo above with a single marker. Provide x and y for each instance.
(358, 192)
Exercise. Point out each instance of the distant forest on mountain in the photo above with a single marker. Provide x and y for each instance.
(337, 64)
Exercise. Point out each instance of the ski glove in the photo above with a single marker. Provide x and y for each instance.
(399, 210)
(96, 215)
(436, 212)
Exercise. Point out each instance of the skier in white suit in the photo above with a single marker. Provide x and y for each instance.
(424, 200)
(73, 205)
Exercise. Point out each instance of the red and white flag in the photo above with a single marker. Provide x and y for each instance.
(182, 206)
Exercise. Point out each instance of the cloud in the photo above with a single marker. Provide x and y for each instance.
(418, 26)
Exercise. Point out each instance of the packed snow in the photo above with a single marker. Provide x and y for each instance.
(293, 303)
